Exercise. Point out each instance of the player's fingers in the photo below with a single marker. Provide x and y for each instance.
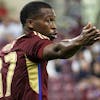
(90, 29)
(88, 26)
(98, 38)
(98, 31)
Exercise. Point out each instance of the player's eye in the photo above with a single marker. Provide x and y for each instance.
(49, 20)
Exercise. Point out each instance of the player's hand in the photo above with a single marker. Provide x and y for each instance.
(90, 34)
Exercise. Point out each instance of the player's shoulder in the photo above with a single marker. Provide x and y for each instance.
(7, 48)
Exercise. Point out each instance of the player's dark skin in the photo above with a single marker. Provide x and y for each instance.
(45, 24)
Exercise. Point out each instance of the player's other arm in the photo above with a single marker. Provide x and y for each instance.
(68, 47)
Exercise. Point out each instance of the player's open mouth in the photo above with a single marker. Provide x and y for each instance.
(54, 35)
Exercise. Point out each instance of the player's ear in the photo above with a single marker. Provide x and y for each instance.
(30, 23)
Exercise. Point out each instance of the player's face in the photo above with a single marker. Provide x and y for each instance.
(45, 24)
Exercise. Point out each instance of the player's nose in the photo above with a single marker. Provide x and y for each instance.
(53, 26)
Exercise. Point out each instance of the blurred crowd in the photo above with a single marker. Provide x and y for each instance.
(10, 28)
(76, 78)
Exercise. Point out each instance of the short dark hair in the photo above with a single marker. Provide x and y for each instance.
(31, 9)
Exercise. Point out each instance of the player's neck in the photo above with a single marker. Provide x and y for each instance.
(27, 30)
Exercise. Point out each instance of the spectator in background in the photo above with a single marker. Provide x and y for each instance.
(96, 68)
(3, 10)
(9, 30)
(10, 27)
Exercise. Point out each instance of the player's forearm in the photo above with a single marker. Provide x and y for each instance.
(64, 49)
(70, 46)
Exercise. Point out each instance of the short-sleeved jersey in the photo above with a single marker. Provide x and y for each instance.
(23, 74)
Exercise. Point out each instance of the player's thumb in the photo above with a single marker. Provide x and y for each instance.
(88, 25)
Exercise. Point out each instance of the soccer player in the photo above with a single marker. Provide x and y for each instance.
(23, 74)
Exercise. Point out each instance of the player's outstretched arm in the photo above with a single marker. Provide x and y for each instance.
(68, 47)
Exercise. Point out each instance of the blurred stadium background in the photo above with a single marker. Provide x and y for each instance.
(77, 78)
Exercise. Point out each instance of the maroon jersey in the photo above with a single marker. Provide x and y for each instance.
(23, 74)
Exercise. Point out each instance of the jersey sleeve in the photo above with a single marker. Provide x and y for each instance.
(37, 49)
(33, 47)
(40, 47)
